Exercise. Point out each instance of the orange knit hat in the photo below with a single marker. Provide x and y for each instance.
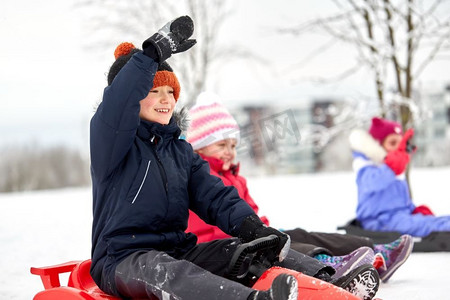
(164, 75)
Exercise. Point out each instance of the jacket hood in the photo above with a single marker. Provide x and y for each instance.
(182, 119)
(362, 142)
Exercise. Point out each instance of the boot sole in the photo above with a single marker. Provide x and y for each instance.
(364, 284)
(284, 287)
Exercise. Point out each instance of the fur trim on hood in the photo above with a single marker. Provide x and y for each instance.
(182, 118)
(363, 142)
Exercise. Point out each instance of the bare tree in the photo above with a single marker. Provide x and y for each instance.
(110, 22)
(395, 40)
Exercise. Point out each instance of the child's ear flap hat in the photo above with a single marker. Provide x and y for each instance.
(381, 128)
(164, 75)
(211, 122)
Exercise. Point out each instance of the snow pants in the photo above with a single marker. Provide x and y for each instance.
(196, 275)
(334, 244)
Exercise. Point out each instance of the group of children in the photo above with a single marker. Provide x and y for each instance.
(169, 213)
(214, 135)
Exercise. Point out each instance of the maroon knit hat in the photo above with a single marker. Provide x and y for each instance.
(381, 128)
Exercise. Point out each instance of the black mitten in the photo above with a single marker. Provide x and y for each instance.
(171, 38)
(253, 228)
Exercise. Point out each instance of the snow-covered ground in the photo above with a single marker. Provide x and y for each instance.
(50, 227)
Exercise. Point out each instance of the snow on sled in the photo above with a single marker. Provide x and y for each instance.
(434, 242)
(81, 286)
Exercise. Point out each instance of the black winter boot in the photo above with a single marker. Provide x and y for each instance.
(284, 287)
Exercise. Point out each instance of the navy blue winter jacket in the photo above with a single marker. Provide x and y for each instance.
(145, 179)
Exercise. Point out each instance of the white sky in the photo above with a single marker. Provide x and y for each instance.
(47, 87)
(49, 84)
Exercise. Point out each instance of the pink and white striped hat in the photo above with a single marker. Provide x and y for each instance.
(210, 122)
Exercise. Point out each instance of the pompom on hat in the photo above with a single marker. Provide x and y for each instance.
(211, 122)
(123, 49)
(164, 75)
(381, 128)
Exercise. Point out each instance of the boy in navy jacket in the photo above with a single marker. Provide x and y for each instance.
(145, 179)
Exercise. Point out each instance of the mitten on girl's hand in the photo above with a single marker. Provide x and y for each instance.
(423, 210)
(403, 145)
(171, 38)
(397, 160)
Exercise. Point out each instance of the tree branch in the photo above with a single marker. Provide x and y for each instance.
(397, 67)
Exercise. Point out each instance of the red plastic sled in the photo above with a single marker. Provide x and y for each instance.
(308, 287)
(81, 286)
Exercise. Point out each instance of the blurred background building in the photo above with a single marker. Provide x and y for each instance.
(310, 135)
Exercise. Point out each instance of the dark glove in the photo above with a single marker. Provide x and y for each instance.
(171, 38)
(398, 159)
(253, 228)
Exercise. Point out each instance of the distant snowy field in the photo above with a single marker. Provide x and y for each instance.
(51, 227)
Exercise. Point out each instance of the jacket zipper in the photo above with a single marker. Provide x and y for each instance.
(142, 183)
(160, 165)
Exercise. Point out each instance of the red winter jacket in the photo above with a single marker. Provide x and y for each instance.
(206, 232)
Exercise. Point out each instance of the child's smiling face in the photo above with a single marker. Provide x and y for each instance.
(158, 105)
(225, 150)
